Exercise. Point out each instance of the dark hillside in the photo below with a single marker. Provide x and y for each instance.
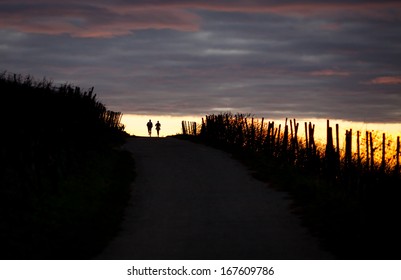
(60, 168)
(350, 199)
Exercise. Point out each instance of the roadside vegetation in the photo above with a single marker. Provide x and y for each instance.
(348, 197)
(64, 179)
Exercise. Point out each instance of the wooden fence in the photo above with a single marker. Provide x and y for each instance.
(189, 128)
(358, 162)
(287, 143)
(349, 194)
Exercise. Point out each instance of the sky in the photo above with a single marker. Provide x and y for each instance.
(276, 59)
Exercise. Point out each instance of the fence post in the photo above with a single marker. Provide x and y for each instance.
(260, 140)
(372, 153)
(203, 128)
(337, 145)
(367, 151)
(383, 164)
(312, 146)
(398, 155)
(306, 137)
(331, 158)
(252, 134)
(358, 148)
(285, 139)
(296, 126)
(184, 132)
(337, 140)
(348, 147)
(278, 136)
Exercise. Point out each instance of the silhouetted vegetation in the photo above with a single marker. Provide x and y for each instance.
(64, 181)
(349, 199)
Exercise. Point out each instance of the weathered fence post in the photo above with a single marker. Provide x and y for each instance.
(383, 164)
(285, 140)
(337, 141)
(367, 151)
(372, 153)
(270, 138)
(252, 134)
(292, 135)
(306, 137)
(278, 137)
(261, 134)
(203, 128)
(184, 131)
(398, 155)
(312, 145)
(296, 146)
(194, 124)
(348, 148)
(358, 148)
(330, 152)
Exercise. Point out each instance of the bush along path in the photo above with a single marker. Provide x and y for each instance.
(64, 181)
(191, 201)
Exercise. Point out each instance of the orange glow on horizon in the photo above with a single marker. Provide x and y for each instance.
(170, 125)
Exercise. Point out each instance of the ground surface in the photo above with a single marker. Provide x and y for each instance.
(190, 201)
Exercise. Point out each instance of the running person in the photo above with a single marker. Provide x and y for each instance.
(149, 125)
(158, 125)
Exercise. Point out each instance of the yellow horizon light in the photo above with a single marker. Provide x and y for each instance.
(170, 125)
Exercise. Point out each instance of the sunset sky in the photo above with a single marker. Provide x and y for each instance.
(303, 59)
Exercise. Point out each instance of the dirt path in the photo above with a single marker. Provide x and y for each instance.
(195, 202)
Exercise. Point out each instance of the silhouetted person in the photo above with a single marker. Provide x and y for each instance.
(158, 125)
(149, 125)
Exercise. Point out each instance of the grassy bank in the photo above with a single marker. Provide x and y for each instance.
(64, 179)
(75, 221)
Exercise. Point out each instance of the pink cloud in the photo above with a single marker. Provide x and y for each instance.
(104, 19)
(93, 20)
(382, 9)
(386, 80)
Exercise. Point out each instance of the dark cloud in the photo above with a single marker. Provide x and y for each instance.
(272, 58)
(91, 18)
(109, 19)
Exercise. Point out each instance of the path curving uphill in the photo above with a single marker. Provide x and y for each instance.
(190, 201)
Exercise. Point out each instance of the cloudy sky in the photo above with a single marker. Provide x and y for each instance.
(318, 59)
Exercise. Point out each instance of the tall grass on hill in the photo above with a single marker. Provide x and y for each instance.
(63, 179)
(349, 197)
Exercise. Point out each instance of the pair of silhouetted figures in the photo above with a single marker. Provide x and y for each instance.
(150, 126)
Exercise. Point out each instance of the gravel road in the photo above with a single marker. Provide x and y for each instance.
(190, 201)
